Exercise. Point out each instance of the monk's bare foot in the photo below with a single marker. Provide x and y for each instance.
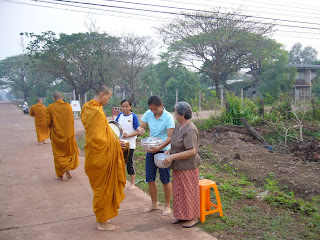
(151, 208)
(44, 142)
(59, 178)
(166, 211)
(68, 174)
(133, 186)
(107, 227)
(40, 143)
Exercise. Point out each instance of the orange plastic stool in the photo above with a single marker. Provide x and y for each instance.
(205, 201)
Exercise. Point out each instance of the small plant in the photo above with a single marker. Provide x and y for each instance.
(237, 109)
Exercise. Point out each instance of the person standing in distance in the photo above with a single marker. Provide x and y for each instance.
(38, 111)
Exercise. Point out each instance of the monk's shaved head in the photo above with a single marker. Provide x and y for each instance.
(57, 95)
(103, 89)
(39, 100)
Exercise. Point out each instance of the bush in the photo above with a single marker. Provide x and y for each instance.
(238, 109)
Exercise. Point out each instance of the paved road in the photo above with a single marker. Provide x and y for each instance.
(35, 206)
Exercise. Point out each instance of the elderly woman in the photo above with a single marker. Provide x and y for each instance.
(185, 163)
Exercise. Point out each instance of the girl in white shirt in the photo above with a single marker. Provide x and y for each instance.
(129, 123)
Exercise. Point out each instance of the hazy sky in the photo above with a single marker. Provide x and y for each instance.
(298, 21)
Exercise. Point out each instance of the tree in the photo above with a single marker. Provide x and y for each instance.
(263, 51)
(155, 76)
(185, 82)
(16, 74)
(299, 55)
(135, 53)
(215, 43)
(83, 60)
(164, 80)
(316, 86)
(276, 77)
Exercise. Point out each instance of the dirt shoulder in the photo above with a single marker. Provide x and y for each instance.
(249, 156)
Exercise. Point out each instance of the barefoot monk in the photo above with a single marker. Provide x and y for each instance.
(38, 111)
(64, 146)
(104, 162)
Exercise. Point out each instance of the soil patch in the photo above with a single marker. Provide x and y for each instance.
(296, 168)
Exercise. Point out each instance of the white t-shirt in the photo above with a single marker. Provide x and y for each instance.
(129, 124)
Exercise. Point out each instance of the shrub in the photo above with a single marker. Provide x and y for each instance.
(237, 109)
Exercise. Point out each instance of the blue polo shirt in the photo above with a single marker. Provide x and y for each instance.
(158, 127)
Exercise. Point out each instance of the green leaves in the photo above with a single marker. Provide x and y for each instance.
(220, 42)
(238, 108)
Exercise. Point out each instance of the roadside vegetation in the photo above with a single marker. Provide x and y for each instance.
(253, 210)
(248, 214)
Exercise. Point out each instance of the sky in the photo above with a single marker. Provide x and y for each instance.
(296, 21)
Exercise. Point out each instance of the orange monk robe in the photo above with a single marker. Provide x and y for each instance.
(104, 162)
(64, 145)
(38, 111)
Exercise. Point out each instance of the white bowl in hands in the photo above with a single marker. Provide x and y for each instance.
(148, 142)
(159, 159)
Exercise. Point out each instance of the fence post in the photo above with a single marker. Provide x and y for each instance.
(177, 94)
(199, 100)
(221, 96)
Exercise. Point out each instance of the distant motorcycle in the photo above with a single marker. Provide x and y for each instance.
(25, 110)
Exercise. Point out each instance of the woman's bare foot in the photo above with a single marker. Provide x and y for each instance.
(68, 174)
(133, 186)
(107, 227)
(176, 220)
(166, 211)
(191, 223)
(151, 208)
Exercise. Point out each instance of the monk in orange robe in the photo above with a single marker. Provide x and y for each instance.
(104, 162)
(64, 145)
(38, 111)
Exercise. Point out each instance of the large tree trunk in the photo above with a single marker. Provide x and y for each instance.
(216, 83)
(82, 99)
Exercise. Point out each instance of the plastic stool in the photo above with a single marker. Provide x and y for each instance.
(205, 201)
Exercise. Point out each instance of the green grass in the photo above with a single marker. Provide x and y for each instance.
(246, 217)
(280, 215)
(81, 142)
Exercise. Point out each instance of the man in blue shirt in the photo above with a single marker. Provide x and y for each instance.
(161, 124)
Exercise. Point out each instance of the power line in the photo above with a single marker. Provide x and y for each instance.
(277, 4)
(175, 13)
(247, 7)
(189, 9)
(88, 12)
(240, 4)
(134, 14)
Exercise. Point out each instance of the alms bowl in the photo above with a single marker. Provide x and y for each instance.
(159, 159)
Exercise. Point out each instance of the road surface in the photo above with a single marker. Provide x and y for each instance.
(35, 206)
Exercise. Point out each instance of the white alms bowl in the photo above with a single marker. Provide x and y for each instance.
(148, 142)
(159, 159)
